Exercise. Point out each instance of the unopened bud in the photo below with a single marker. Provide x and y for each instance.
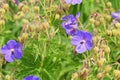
(25, 8)
(2, 11)
(2, 22)
(116, 73)
(92, 20)
(97, 23)
(108, 17)
(109, 4)
(109, 32)
(117, 25)
(101, 19)
(96, 49)
(6, 6)
(25, 36)
(25, 21)
(57, 16)
(100, 76)
(107, 68)
(94, 40)
(20, 6)
(45, 25)
(101, 62)
(107, 50)
(115, 32)
(8, 77)
(74, 76)
(36, 9)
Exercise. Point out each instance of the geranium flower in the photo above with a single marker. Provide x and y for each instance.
(83, 41)
(12, 50)
(115, 14)
(70, 24)
(31, 77)
(73, 2)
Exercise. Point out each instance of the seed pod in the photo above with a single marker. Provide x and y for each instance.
(107, 50)
(109, 32)
(2, 22)
(36, 9)
(109, 4)
(25, 8)
(2, 11)
(57, 16)
(6, 6)
(101, 62)
(116, 73)
(91, 20)
(108, 68)
(8, 77)
(94, 39)
(115, 32)
(108, 17)
(74, 76)
(25, 21)
(96, 49)
(97, 23)
(117, 25)
(45, 25)
(100, 76)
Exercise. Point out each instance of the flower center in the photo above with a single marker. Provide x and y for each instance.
(12, 50)
(82, 42)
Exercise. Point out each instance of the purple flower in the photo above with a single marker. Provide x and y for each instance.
(31, 77)
(12, 50)
(69, 22)
(73, 2)
(17, 2)
(82, 41)
(72, 31)
(115, 14)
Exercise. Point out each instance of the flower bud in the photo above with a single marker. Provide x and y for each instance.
(39, 28)
(16, 17)
(74, 76)
(36, 9)
(8, 77)
(109, 4)
(57, 16)
(94, 39)
(25, 36)
(25, 8)
(20, 39)
(100, 76)
(25, 21)
(115, 32)
(96, 49)
(108, 68)
(91, 20)
(45, 25)
(2, 11)
(6, 6)
(117, 25)
(101, 62)
(116, 73)
(20, 14)
(97, 23)
(20, 6)
(107, 50)
(101, 19)
(109, 32)
(108, 17)
(2, 22)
